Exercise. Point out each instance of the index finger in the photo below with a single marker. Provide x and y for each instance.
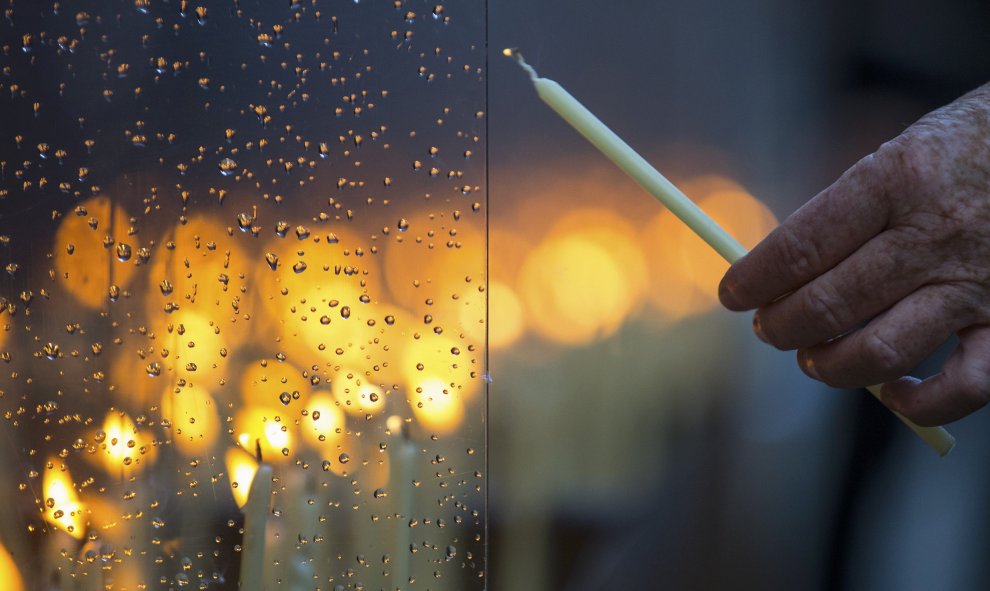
(811, 241)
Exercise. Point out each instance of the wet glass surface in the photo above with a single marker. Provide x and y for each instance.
(233, 231)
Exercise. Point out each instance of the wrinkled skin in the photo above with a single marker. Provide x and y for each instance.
(879, 269)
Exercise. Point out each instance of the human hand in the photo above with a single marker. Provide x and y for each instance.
(882, 267)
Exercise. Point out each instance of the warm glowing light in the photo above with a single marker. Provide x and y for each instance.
(241, 468)
(505, 318)
(202, 267)
(268, 382)
(9, 573)
(324, 422)
(324, 296)
(62, 506)
(121, 447)
(436, 407)
(269, 427)
(193, 347)
(435, 265)
(193, 416)
(685, 270)
(575, 289)
(454, 362)
(356, 394)
(85, 266)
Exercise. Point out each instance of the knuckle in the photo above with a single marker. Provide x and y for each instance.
(826, 311)
(884, 356)
(798, 256)
(903, 162)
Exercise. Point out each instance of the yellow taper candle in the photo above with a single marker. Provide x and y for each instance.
(648, 177)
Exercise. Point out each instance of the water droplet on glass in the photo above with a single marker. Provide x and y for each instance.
(123, 252)
(272, 259)
(51, 351)
(228, 166)
(403, 224)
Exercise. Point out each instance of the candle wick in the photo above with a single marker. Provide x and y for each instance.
(518, 56)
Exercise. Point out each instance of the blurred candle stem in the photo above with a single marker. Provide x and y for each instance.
(255, 521)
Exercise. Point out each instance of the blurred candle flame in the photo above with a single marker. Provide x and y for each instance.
(355, 394)
(62, 506)
(123, 445)
(325, 422)
(437, 408)
(9, 573)
(241, 468)
(269, 428)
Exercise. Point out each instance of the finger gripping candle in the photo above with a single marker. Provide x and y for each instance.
(648, 177)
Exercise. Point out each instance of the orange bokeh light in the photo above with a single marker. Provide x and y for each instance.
(686, 271)
(87, 260)
(192, 413)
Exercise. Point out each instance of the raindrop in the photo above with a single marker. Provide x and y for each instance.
(244, 221)
(403, 224)
(228, 166)
(51, 351)
(123, 252)
(299, 267)
(272, 259)
(285, 398)
(344, 458)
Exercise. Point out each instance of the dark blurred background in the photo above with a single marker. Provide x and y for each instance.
(668, 448)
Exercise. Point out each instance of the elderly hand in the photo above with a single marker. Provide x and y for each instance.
(879, 269)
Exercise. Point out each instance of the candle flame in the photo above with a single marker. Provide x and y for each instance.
(241, 468)
(12, 580)
(325, 423)
(436, 406)
(123, 445)
(62, 506)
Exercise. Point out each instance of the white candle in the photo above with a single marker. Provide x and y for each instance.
(648, 177)
(255, 519)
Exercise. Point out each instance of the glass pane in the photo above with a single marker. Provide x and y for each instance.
(241, 231)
